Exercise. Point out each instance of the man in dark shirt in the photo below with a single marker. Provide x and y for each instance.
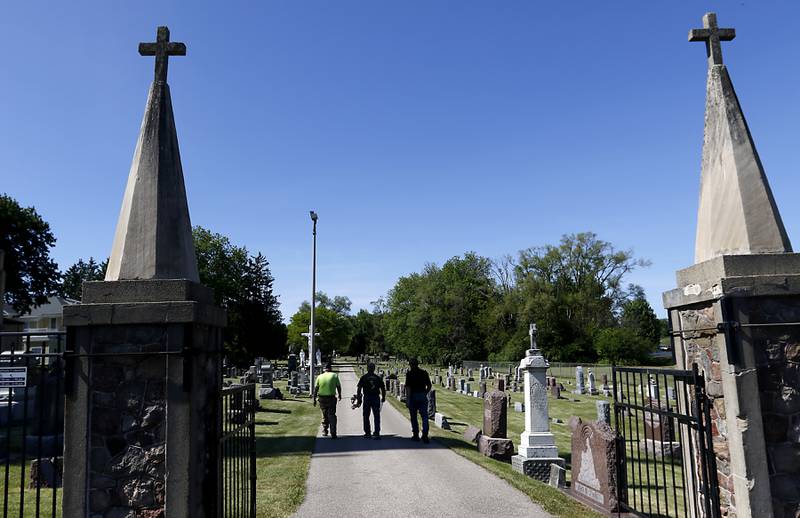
(418, 384)
(374, 394)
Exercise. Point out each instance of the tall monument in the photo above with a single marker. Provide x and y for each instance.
(537, 448)
(734, 313)
(144, 348)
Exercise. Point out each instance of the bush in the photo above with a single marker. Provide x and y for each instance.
(622, 346)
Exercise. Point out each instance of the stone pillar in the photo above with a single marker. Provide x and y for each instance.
(143, 399)
(537, 449)
(726, 316)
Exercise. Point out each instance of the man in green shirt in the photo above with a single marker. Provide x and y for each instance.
(326, 387)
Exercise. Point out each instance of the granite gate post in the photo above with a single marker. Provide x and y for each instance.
(144, 364)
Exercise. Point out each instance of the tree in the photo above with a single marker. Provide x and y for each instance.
(242, 285)
(622, 346)
(572, 291)
(80, 272)
(26, 239)
(331, 321)
(442, 314)
(638, 316)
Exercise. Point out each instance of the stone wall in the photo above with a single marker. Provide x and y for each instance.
(701, 345)
(777, 357)
(127, 413)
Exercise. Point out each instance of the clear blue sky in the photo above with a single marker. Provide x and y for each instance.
(417, 129)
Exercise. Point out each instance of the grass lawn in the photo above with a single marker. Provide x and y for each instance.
(285, 434)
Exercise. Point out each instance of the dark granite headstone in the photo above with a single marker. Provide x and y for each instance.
(495, 415)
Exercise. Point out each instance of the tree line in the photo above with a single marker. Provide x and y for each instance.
(475, 308)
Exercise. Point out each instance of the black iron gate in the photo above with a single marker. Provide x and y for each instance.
(31, 423)
(667, 466)
(237, 452)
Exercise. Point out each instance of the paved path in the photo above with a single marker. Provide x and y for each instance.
(353, 477)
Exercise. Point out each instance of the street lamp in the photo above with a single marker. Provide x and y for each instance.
(312, 331)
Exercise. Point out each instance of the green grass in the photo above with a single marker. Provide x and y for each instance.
(285, 434)
(12, 484)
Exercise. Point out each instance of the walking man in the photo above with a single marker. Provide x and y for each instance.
(374, 394)
(326, 387)
(418, 384)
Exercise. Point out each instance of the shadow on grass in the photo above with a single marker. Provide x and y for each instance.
(266, 423)
(275, 410)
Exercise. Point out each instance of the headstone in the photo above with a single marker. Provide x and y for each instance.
(558, 476)
(451, 383)
(481, 373)
(462, 386)
(469, 375)
(556, 391)
(519, 407)
(592, 383)
(467, 388)
(482, 388)
(495, 414)
(431, 404)
(46, 473)
(671, 393)
(594, 464)
(441, 421)
(501, 385)
(603, 412)
(537, 449)
(579, 382)
(606, 389)
(402, 390)
(472, 434)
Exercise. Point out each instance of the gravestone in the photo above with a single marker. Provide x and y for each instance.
(467, 388)
(579, 382)
(558, 476)
(441, 421)
(606, 389)
(481, 373)
(469, 375)
(451, 383)
(592, 384)
(501, 385)
(556, 391)
(482, 389)
(519, 407)
(604, 412)
(472, 434)
(431, 404)
(495, 414)
(594, 464)
(537, 449)
(462, 386)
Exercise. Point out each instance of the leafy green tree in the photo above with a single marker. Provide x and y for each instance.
(638, 316)
(622, 346)
(72, 280)
(26, 239)
(442, 314)
(331, 321)
(242, 285)
(367, 333)
(572, 291)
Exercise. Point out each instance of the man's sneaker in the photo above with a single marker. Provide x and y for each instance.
(415, 438)
(367, 436)
(324, 433)
(333, 436)
(376, 436)
(425, 439)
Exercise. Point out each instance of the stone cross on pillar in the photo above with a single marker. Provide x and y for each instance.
(537, 449)
(712, 35)
(162, 48)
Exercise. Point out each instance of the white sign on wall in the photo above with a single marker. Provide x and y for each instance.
(13, 377)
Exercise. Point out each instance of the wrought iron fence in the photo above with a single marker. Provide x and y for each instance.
(237, 452)
(666, 462)
(31, 422)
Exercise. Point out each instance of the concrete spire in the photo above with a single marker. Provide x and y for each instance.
(154, 233)
(737, 212)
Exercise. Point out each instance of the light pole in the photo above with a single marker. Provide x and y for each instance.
(313, 303)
